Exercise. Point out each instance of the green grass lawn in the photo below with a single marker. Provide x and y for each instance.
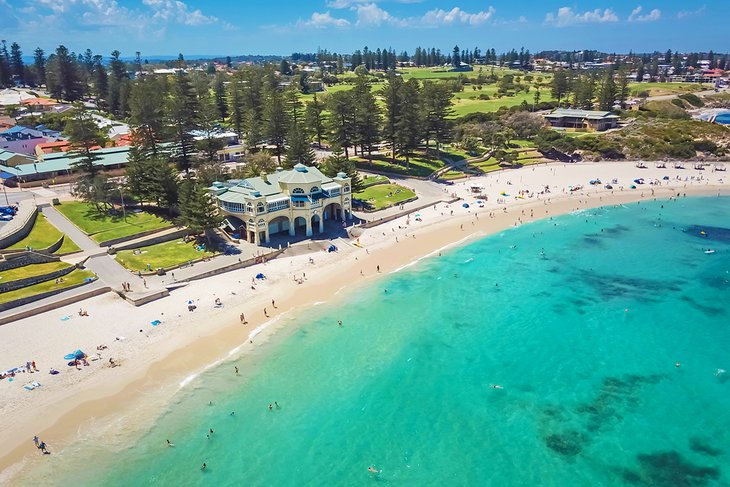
(70, 279)
(374, 179)
(43, 235)
(31, 271)
(468, 101)
(521, 143)
(166, 254)
(101, 227)
(658, 89)
(419, 166)
(384, 195)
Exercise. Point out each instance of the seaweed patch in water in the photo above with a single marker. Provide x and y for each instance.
(717, 234)
(700, 446)
(669, 469)
(569, 443)
(708, 310)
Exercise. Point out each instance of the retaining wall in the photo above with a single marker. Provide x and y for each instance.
(47, 307)
(29, 281)
(115, 241)
(154, 240)
(235, 266)
(375, 223)
(20, 226)
(25, 257)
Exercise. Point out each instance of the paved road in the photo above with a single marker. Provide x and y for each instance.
(59, 221)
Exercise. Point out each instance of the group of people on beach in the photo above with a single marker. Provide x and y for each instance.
(41, 445)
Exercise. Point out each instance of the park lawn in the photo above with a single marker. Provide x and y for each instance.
(658, 89)
(70, 279)
(162, 255)
(470, 103)
(101, 227)
(384, 196)
(521, 143)
(419, 166)
(31, 270)
(370, 180)
(43, 235)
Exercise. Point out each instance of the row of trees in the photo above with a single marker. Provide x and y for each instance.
(589, 90)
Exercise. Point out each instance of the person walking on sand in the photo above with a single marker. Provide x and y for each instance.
(273, 304)
(243, 319)
(378, 268)
(36, 441)
(266, 313)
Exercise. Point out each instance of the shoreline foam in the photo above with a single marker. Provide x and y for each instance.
(108, 395)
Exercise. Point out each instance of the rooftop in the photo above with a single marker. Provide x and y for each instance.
(62, 162)
(588, 114)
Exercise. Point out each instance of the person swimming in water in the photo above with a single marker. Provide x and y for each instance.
(170, 444)
(203, 466)
(496, 386)
(372, 469)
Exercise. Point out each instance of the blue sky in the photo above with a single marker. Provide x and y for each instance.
(284, 26)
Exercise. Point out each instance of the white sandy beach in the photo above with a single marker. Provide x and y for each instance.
(156, 360)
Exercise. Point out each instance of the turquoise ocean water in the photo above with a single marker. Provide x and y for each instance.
(580, 319)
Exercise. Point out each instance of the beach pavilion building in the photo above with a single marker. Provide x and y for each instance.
(294, 201)
(586, 120)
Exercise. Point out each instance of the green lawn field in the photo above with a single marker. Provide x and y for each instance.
(31, 271)
(70, 279)
(101, 227)
(163, 255)
(43, 235)
(384, 195)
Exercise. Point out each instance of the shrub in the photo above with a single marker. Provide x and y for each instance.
(692, 99)
(705, 145)
(678, 103)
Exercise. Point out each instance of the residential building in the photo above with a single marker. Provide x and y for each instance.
(61, 164)
(40, 104)
(21, 139)
(12, 159)
(298, 200)
(587, 120)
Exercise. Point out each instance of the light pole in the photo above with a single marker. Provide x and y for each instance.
(7, 203)
(124, 211)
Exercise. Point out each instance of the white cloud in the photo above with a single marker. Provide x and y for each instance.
(457, 16)
(371, 14)
(567, 16)
(346, 3)
(322, 20)
(636, 16)
(691, 13)
(177, 11)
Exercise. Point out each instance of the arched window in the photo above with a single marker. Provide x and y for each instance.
(249, 208)
(297, 191)
(346, 188)
(262, 222)
(314, 189)
(260, 208)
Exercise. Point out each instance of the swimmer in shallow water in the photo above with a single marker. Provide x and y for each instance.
(496, 386)
(372, 469)
(170, 444)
